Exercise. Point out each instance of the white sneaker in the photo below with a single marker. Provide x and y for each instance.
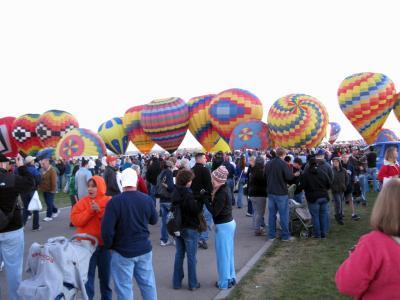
(291, 239)
(163, 244)
(29, 217)
(47, 219)
(55, 215)
(1, 266)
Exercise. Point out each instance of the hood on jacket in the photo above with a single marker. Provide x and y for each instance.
(101, 185)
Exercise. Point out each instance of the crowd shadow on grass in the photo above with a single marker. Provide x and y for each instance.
(305, 269)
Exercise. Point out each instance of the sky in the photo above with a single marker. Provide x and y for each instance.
(96, 59)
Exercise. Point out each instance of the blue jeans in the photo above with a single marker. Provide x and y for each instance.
(12, 251)
(186, 243)
(299, 198)
(60, 182)
(231, 184)
(278, 203)
(224, 250)
(152, 193)
(320, 217)
(102, 259)
(209, 220)
(140, 267)
(240, 195)
(338, 199)
(249, 206)
(363, 178)
(67, 181)
(372, 174)
(164, 209)
(51, 208)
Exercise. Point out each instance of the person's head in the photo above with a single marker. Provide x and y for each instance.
(200, 158)
(184, 177)
(84, 163)
(137, 169)
(385, 215)
(45, 163)
(4, 162)
(297, 163)
(259, 162)
(336, 162)
(96, 187)
(252, 161)
(167, 164)
(320, 154)
(29, 160)
(345, 158)
(288, 159)
(74, 170)
(112, 160)
(281, 153)
(129, 180)
(219, 176)
(184, 164)
(391, 154)
(92, 188)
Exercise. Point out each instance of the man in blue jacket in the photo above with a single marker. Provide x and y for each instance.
(124, 230)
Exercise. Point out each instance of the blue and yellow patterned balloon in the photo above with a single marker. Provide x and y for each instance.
(113, 134)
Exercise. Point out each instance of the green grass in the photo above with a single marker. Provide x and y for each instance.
(305, 269)
(61, 200)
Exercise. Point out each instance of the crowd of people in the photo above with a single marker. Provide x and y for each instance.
(115, 200)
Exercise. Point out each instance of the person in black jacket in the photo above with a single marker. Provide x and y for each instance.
(12, 234)
(202, 181)
(166, 178)
(258, 194)
(153, 170)
(339, 185)
(187, 241)
(110, 176)
(220, 207)
(316, 184)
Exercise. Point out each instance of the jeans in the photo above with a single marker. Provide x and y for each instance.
(299, 198)
(164, 209)
(67, 181)
(372, 174)
(363, 178)
(26, 198)
(278, 203)
(224, 250)
(102, 259)
(140, 267)
(320, 217)
(152, 193)
(209, 220)
(186, 243)
(240, 195)
(249, 206)
(338, 199)
(259, 204)
(12, 251)
(60, 182)
(51, 208)
(231, 184)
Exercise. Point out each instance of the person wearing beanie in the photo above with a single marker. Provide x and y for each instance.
(220, 206)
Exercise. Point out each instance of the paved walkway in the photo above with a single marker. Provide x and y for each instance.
(246, 246)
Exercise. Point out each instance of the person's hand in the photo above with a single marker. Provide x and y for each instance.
(95, 207)
(297, 174)
(19, 161)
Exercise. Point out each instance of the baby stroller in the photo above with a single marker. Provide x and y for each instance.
(300, 223)
(59, 268)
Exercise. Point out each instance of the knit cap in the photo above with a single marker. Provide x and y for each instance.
(220, 175)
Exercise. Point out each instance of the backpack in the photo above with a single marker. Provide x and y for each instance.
(6, 181)
(174, 220)
(161, 188)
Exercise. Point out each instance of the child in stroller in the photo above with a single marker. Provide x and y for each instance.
(300, 223)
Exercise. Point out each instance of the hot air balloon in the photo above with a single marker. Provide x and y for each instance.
(367, 99)
(231, 107)
(334, 131)
(221, 146)
(8, 146)
(113, 134)
(80, 142)
(297, 120)
(166, 122)
(251, 134)
(199, 123)
(396, 107)
(24, 134)
(386, 135)
(49, 153)
(134, 130)
(53, 125)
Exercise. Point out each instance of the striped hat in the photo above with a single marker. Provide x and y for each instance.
(220, 175)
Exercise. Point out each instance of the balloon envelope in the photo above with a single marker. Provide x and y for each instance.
(221, 146)
(386, 135)
(80, 142)
(49, 153)
(134, 130)
(8, 147)
(199, 123)
(53, 125)
(334, 131)
(251, 134)
(297, 120)
(166, 121)
(24, 134)
(231, 107)
(367, 99)
(113, 134)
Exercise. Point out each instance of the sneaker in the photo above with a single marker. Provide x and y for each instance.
(55, 215)
(203, 245)
(248, 215)
(167, 243)
(36, 229)
(270, 239)
(1, 266)
(355, 217)
(291, 239)
(29, 217)
(260, 232)
(47, 219)
(195, 288)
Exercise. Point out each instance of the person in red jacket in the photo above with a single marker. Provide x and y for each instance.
(141, 184)
(390, 167)
(372, 271)
(86, 216)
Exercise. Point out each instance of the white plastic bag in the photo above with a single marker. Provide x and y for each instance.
(35, 203)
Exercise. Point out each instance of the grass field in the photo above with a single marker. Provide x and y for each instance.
(61, 200)
(305, 269)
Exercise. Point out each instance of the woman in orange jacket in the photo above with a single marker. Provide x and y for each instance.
(86, 216)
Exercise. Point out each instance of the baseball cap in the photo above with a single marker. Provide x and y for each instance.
(129, 178)
(29, 159)
(111, 158)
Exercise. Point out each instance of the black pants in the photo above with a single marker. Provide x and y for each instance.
(26, 198)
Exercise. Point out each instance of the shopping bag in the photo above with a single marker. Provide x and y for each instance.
(35, 203)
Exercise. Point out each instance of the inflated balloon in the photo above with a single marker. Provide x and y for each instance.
(8, 146)
(166, 122)
(221, 146)
(334, 131)
(367, 99)
(199, 123)
(297, 120)
(113, 134)
(386, 135)
(396, 107)
(24, 134)
(53, 125)
(80, 142)
(134, 130)
(49, 153)
(251, 134)
(231, 107)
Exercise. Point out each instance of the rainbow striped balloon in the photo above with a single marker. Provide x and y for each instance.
(134, 130)
(251, 134)
(367, 99)
(199, 123)
(297, 120)
(53, 125)
(386, 135)
(24, 134)
(80, 142)
(166, 121)
(231, 107)
(396, 107)
(113, 134)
